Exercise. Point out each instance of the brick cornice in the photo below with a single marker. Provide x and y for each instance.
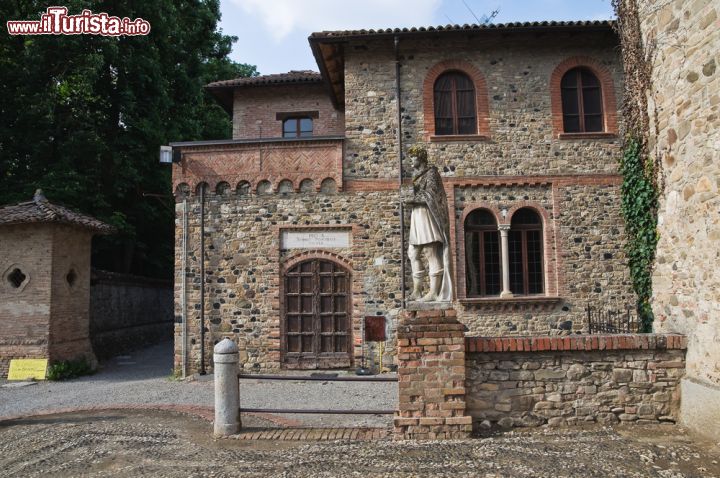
(608, 94)
(576, 342)
(481, 96)
(371, 185)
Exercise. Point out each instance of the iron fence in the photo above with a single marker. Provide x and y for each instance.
(315, 378)
(613, 321)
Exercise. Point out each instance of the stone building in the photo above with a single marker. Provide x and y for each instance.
(684, 39)
(300, 209)
(45, 289)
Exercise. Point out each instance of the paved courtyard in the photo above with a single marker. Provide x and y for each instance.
(146, 443)
(143, 378)
(138, 431)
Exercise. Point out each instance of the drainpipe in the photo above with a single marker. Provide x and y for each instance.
(202, 279)
(184, 288)
(400, 168)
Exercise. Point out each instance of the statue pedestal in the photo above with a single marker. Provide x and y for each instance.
(431, 373)
(417, 305)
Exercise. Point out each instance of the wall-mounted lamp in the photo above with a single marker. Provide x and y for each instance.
(169, 155)
(166, 155)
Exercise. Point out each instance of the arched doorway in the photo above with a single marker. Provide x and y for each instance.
(316, 321)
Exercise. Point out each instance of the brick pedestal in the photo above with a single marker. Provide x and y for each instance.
(431, 371)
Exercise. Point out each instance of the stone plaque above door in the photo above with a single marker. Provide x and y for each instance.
(315, 239)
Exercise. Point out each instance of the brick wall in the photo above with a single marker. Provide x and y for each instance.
(573, 380)
(46, 317)
(70, 306)
(255, 110)
(128, 312)
(24, 311)
(431, 375)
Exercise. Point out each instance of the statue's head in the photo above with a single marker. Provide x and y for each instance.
(419, 156)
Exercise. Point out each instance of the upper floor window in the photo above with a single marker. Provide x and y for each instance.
(455, 113)
(582, 105)
(298, 127)
(526, 252)
(482, 254)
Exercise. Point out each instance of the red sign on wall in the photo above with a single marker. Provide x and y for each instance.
(375, 328)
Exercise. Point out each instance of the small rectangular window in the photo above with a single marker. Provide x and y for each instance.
(297, 127)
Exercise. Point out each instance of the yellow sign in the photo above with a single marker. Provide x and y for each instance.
(24, 369)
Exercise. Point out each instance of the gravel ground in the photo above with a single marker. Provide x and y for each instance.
(163, 444)
(145, 378)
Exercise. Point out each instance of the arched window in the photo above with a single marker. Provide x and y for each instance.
(582, 107)
(526, 252)
(455, 112)
(299, 127)
(482, 254)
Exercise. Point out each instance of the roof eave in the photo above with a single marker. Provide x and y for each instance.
(327, 81)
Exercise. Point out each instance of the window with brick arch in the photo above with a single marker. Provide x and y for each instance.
(581, 102)
(454, 101)
(482, 254)
(525, 248)
(300, 127)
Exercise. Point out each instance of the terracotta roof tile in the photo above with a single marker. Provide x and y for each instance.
(295, 76)
(465, 27)
(41, 210)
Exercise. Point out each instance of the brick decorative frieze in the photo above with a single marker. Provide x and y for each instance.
(431, 373)
(247, 164)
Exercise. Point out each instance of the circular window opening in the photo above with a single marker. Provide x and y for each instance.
(71, 277)
(16, 278)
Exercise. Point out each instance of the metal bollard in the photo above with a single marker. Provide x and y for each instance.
(227, 389)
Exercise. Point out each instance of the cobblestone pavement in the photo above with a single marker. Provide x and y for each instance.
(134, 443)
(144, 378)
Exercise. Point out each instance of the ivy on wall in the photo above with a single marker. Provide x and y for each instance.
(639, 208)
(640, 172)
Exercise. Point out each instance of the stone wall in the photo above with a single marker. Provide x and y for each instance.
(128, 312)
(522, 160)
(255, 110)
(244, 263)
(574, 380)
(684, 39)
(517, 69)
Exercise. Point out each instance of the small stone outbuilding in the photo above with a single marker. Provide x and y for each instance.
(45, 281)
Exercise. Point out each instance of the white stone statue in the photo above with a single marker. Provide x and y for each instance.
(429, 231)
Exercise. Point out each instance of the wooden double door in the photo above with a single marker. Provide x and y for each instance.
(316, 332)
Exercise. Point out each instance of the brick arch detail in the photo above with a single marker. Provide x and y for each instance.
(607, 86)
(549, 241)
(481, 95)
(474, 206)
(296, 259)
(544, 216)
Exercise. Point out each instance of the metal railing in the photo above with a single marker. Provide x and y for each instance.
(317, 378)
(613, 321)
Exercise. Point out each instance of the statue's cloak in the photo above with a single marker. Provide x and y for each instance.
(428, 189)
